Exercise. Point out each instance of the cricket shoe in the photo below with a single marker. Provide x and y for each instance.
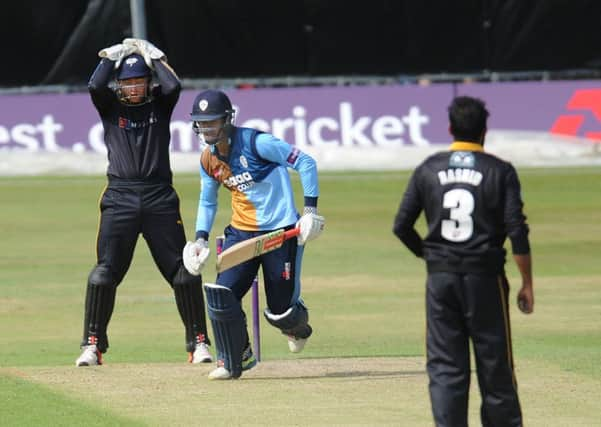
(249, 360)
(220, 372)
(201, 354)
(90, 356)
(296, 343)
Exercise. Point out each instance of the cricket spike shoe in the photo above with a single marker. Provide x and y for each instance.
(220, 372)
(201, 354)
(249, 360)
(296, 343)
(90, 356)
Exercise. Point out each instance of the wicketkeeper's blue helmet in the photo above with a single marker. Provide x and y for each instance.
(133, 66)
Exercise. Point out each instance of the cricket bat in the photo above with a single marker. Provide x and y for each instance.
(248, 249)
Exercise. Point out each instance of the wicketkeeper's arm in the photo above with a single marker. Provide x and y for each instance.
(102, 95)
(170, 84)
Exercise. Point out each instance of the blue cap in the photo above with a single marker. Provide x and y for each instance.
(210, 105)
(133, 66)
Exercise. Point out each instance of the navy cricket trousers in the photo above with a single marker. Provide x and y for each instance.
(281, 271)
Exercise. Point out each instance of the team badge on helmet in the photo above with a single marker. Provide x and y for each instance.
(203, 104)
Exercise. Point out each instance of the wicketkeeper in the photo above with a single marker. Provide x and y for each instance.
(253, 166)
(139, 198)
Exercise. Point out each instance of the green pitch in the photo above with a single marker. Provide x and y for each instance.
(363, 366)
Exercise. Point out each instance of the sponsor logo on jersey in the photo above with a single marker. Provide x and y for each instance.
(241, 182)
(125, 123)
(217, 173)
(462, 159)
(293, 156)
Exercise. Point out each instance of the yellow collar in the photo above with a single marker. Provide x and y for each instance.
(465, 146)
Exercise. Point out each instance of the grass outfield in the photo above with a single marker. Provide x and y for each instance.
(363, 366)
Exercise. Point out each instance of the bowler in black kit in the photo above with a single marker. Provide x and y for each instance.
(472, 203)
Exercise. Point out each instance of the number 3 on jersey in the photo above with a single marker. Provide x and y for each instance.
(460, 226)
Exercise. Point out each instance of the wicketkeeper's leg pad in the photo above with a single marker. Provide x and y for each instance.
(294, 321)
(229, 326)
(191, 307)
(100, 302)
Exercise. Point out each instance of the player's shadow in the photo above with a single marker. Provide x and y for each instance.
(367, 375)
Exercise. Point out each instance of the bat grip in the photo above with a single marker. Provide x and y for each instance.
(291, 233)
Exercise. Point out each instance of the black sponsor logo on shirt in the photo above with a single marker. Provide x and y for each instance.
(128, 124)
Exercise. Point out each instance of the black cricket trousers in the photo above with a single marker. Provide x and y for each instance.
(129, 209)
(460, 307)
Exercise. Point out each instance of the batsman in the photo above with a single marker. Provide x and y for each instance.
(139, 197)
(253, 166)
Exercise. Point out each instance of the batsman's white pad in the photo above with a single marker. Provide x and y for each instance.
(195, 256)
(311, 226)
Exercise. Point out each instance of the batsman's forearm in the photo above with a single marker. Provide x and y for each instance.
(307, 170)
(524, 263)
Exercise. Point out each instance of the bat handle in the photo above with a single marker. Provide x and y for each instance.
(291, 233)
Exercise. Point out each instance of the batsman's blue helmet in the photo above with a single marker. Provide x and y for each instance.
(133, 66)
(210, 105)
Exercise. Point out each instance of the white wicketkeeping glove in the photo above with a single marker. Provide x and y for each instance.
(117, 52)
(146, 49)
(195, 256)
(311, 225)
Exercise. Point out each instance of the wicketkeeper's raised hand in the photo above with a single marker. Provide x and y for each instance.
(311, 225)
(195, 256)
(117, 52)
(146, 49)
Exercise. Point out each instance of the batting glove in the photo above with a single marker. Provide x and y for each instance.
(146, 49)
(311, 225)
(116, 53)
(195, 256)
